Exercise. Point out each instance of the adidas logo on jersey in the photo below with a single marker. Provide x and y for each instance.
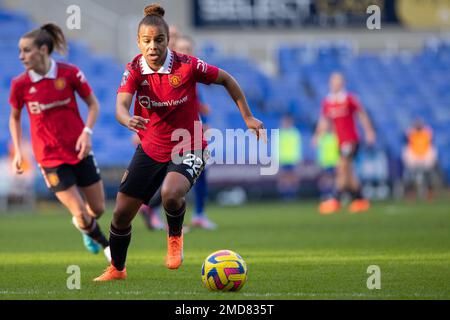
(144, 83)
(32, 90)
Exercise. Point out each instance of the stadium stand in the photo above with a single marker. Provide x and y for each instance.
(395, 88)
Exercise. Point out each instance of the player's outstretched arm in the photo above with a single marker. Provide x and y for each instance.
(15, 129)
(236, 93)
(84, 141)
(123, 104)
(367, 126)
(93, 110)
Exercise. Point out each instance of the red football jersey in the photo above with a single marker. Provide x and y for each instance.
(168, 98)
(55, 120)
(340, 109)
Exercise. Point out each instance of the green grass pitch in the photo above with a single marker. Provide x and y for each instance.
(291, 251)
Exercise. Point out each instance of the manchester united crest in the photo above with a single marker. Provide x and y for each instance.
(175, 80)
(60, 83)
(53, 179)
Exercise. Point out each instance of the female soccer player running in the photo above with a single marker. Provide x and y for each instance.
(338, 110)
(164, 82)
(61, 141)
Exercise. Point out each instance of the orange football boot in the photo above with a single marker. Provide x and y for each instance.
(329, 206)
(359, 205)
(111, 273)
(174, 256)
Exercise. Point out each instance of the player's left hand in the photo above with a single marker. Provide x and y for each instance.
(257, 127)
(84, 145)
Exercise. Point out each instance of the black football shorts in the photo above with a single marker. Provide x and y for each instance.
(82, 174)
(349, 150)
(144, 175)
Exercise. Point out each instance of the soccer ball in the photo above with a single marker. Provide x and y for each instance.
(224, 270)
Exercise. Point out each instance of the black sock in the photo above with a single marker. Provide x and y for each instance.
(175, 220)
(356, 195)
(95, 233)
(119, 242)
(337, 194)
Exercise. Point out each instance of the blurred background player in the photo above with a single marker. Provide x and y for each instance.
(151, 212)
(185, 45)
(420, 159)
(338, 110)
(290, 155)
(61, 141)
(174, 34)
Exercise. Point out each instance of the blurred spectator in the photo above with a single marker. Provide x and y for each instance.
(290, 155)
(420, 160)
(17, 189)
(327, 159)
(372, 166)
(174, 35)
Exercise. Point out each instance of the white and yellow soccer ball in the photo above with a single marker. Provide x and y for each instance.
(224, 270)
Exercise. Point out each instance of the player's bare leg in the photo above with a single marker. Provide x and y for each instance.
(92, 235)
(95, 206)
(95, 199)
(72, 200)
(125, 210)
(173, 192)
(359, 204)
(342, 181)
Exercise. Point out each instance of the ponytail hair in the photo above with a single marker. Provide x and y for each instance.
(51, 35)
(154, 16)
